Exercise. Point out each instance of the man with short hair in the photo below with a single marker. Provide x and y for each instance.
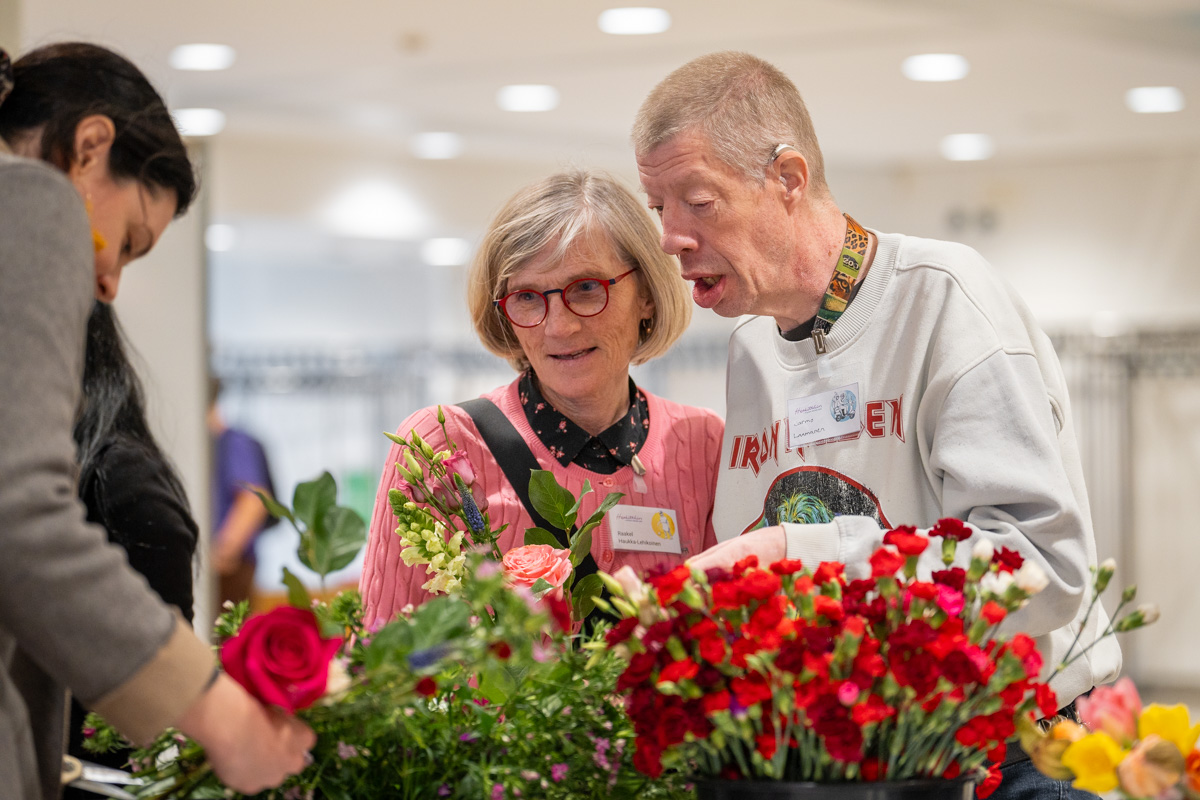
(876, 379)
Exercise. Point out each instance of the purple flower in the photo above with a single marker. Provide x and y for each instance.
(497, 792)
(558, 772)
(89, 733)
(443, 791)
(346, 751)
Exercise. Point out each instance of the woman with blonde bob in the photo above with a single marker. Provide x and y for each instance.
(571, 287)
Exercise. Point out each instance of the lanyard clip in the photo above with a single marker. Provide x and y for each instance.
(818, 337)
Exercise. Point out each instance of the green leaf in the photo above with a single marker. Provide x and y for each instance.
(397, 499)
(337, 540)
(274, 507)
(580, 547)
(541, 536)
(312, 498)
(584, 595)
(551, 500)
(391, 644)
(496, 684)
(439, 621)
(540, 587)
(610, 500)
(586, 490)
(297, 595)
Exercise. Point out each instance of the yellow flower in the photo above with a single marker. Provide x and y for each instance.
(1171, 724)
(1093, 759)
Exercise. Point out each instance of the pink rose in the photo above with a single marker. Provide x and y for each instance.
(524, 565)
(1153, 766)
(1112, 709)
(281, 658)
(459, 464)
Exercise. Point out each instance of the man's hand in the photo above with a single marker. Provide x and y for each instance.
(249, 746)
(769, 544)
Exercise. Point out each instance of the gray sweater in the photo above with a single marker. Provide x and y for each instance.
(72, 614)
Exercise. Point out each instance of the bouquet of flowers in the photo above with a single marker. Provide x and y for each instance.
(482, 692)
(789, 672)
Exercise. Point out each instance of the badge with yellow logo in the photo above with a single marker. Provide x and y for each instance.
(650, 530)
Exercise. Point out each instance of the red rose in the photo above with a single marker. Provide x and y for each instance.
(281, 658)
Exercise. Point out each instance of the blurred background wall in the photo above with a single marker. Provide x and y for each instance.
(359, 150)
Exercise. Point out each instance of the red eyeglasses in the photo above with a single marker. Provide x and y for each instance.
(586, 297)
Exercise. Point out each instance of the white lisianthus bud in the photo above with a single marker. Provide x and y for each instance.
(1104, 573)
(1150, 613)
(995, 583)
(337, 683)
(983, 551)
(1031, 578)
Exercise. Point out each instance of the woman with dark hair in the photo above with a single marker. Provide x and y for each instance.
(100, 153)
(128, 484)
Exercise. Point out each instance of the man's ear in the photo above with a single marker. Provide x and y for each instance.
(791, 170)
(94, 137)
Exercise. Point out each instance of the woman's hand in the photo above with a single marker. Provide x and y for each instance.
(769, 544)
(250, 747)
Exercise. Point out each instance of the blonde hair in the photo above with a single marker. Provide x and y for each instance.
(556, 212)
(743, 106)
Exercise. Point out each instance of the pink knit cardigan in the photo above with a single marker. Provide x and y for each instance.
(681, 454)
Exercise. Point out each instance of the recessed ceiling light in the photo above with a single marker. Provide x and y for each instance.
(436, 145)
(527, 97)
(935, 67)
(198, 121)
(968, 147)
(445, 252)
(634, 21)
(375, 208)
(220, 237)
(202, 57)
(1154, 99)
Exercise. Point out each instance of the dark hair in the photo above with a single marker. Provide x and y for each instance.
(113, 406)
(55, 87)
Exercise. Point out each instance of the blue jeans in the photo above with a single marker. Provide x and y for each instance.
(1022, 781)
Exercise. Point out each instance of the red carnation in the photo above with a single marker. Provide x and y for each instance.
(828, 607)
(951, 528)
(955, 578)
(885, 562)
(767, 743)
(717, 701)
(993, 612)
(990, 784)
(759, 584)
(638, 671)
(647, 758)
(670, 584)
(621, 631)
(829, 572)
(750, 690)
(426, 687)
(1007, 560)
(787, 566)
(678, 671)
(923, 590)
(1047, 701)
(906, 540)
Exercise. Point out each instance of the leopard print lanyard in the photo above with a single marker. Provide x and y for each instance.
(837, 296)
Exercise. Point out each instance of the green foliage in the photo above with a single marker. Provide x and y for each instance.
(330, 535)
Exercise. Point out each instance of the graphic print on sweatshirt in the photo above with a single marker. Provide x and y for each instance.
(812, 494)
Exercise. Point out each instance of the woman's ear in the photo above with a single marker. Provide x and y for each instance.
(94, 136)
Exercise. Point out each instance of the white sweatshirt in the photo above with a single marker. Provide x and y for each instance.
(962, 411)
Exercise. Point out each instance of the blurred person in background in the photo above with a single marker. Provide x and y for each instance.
(570, 287)
(240, 468)
(874, 379)
(129, 487)
(92, 170)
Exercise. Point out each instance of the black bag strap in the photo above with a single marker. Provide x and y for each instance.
(512, 453)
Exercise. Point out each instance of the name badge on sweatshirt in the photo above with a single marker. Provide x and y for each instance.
(825, 416)
(649, 530)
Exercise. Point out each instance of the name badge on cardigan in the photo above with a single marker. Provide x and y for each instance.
(649, 530)
(824, 417)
